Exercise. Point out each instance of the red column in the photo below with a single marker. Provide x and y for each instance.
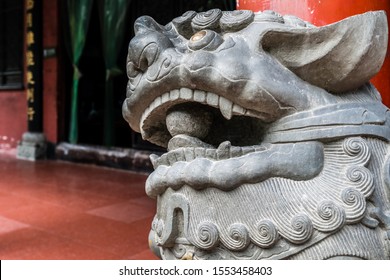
(322, 12)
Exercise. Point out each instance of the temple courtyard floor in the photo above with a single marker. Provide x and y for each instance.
(60, 210)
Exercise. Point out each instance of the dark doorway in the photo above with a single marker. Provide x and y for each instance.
(92, 83)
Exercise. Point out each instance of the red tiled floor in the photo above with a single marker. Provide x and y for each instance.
(128, 211)
(36, 244)
(58, 210)
(8, 225)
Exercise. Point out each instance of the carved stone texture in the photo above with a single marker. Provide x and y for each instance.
(278, 145)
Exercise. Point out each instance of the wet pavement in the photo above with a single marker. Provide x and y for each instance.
(60, 210)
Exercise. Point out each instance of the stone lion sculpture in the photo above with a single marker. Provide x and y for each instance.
(277, 144)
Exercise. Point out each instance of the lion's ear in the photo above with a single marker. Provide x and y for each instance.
(337, 57)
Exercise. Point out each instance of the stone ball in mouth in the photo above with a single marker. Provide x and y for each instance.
(189, 119)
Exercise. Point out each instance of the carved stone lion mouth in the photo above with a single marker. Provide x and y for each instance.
(200, 119)
(199, 125)
(213, 142)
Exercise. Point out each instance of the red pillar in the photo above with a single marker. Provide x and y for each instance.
(322, 12)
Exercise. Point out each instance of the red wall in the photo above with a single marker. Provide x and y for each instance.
(13, 104)
(322, 12)
(13, 114)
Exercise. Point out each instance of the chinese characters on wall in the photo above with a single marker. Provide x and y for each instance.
(33, 58)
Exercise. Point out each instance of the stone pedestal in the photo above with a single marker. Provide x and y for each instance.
(32, 146)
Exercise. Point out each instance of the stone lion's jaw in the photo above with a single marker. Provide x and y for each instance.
(213, 142)
(199, 125)
(196, 113)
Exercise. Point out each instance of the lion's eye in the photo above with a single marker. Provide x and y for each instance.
(206, 40)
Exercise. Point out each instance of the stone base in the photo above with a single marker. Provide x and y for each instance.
(32, 147)
(122, 158)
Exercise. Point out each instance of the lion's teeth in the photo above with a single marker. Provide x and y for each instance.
(179, 153)
(163, 160)
(186, 94)
(174, 94)
(226, 107)
(247, 149)
(235, 151)
(171, 158)
(238, 109)
(165, 97)
(260, 148)
(212, 99)
(189, 154)
(156, 102)
(200, 152)
(186, 141)
(223, 151)
(199, 96)
(211, 154)
(253, 114)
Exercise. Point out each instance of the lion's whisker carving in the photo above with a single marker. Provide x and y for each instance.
(277, 144)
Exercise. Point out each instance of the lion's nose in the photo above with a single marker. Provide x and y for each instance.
(142, 54)
(146, 47)
(146, 24)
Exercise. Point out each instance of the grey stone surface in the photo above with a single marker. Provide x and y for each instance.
(128, 159)
(278, 145)
(32, 147)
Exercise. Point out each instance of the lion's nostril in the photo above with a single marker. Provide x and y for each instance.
(141, 57)
(148, 55)
(132, 70)
(145, 49)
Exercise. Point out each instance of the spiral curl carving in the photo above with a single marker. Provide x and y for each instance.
(184, 18)
(355, 204)
(237, 238)
(301, 229)
(358, 149)
(236, 20)
(183, 24)
(207, 236)
(331, 216)
(207, 20)
(163, 70)
(265, 234)
(269, 16)
(179, 251)
(362, 178)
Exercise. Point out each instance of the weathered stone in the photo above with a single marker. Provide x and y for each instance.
(278, 145)
(32, 147)
(121, 158)
(189, 119)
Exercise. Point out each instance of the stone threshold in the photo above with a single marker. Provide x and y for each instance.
(121, 158)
